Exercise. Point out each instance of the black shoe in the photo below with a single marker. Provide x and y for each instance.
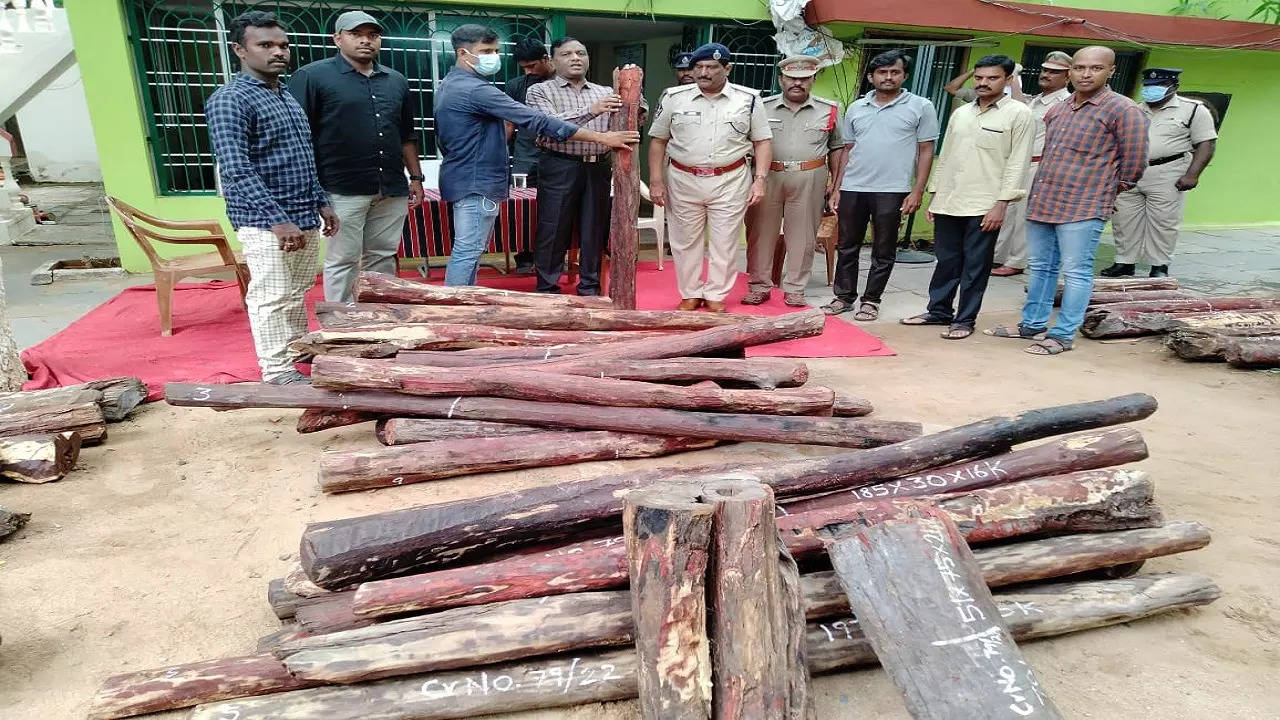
(1159, 271)
(1118, 270)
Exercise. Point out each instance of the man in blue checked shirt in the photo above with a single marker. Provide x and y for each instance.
(262, 143)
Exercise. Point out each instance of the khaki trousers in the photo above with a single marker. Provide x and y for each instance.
(713, 205)
(1011, 244)
(792, 204)
(1147, 218)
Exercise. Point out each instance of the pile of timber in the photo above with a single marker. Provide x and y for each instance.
(470, 380)
(632, 585)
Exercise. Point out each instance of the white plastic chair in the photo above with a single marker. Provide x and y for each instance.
(657, 223)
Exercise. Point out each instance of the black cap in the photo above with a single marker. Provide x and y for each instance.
(682, 61)
(1160, 76)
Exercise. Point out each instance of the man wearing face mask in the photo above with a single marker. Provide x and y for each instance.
(474, 174)
(1182, 139)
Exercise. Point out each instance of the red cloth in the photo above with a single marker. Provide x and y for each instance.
(211, 341)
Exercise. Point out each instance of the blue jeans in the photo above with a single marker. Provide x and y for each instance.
(1071, 247)
(473, 218)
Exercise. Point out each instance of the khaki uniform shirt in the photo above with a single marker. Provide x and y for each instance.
(804, 134)
(1040, 105)
(984, 158)
(710, 131)
(1178, 125)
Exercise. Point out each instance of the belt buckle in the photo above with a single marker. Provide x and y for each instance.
(589, 158)
(790, 165)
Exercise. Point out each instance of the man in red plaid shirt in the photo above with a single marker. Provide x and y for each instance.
(1095, 146)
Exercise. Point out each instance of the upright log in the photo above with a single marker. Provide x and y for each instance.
(453, 337)
(623, 236)
(85, 419)
(601, 676)
(405, 431)
(348, 470)
(340, 553)
(336, 316)
(1212, 344)
(667, 538)
(920, 598)
(38, 458)
(1253, 352)
(377, 287)
(1086, 451)
(757, 372)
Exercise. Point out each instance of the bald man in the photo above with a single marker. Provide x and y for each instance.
(1095, 146)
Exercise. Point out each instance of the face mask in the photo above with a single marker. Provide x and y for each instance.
(1153, 93)
(486, 64)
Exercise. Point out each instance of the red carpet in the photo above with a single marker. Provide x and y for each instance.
(211, 341)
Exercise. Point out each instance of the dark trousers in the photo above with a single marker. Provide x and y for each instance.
(964, 251)
(528, 166)
(571, 195)
(883, 211)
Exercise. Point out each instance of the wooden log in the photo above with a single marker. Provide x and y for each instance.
(1106, 298)
(487, 356)
(624, 242)
(455, 337)
(1080, 502)
(116, 396)
(38, 458)
(920, 599)
(11, 521)
(850, 406)
(340, 553)
(1211, 344)
(405, 431)
(1195, 305)
(316, 419)
(377, 287)
(1253, 352)
(1216, 320)
(563, 681)
(329, 614)
(805, 430)
(31, 400)
(341, 373)
(761, 673)
(1086, 451)
(1129, 284)
(85, 419)
(348, 470)
(755, 372)
(119, 396)
(338, 316)
(1107, 322)
(179, 686)
(667, 543)
(283, 602)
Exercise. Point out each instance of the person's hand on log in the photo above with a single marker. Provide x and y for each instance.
(607, 104)
(289, 236)
(619, 139)
(330, 220)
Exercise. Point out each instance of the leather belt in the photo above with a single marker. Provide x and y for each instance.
(709, 171)
(1036, 158)
(579, 158)
(797, 165)
(1165, 160)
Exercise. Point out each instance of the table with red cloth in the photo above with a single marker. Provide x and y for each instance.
(428, 228)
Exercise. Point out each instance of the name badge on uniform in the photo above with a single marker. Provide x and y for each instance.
(775, 120)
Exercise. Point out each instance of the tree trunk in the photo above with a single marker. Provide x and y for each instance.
(1212, 344)
(316, 419)
(1081, 502)
(405, 431)
(1106, 298)
(337, 316)
(623, 235)
(376, 287)
(340, 553)
(83, 418)
(920, 598)
(757, 372)
(11, 521)
(339, 373)
(347, 470)
(454, 337)
(1088, 451)
(1253, 352)
(602, 676)
(38, 458)
(667, 541)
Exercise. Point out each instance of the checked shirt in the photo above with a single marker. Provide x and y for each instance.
(1092, 150)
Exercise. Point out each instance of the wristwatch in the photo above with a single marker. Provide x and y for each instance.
(418, 178)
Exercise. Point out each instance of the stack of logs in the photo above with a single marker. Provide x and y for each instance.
(1242, 331)
(561, 379)
(632, 585)
(41, 431)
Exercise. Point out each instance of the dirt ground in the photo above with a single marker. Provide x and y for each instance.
(158, 549)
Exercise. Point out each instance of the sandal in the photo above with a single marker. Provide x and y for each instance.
(837, 306)
(756, 297)
(957, 332)
(867, 311)
(1017, 332)
(923, 319)
(1048, 346)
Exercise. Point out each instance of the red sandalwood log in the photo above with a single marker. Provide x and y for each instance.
(335, 316)
(623, 235)
(377, 287)
(758, 372)
(405, 431)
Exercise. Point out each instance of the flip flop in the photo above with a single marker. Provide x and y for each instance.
(1048, 346)
(1017, 332)
(923, 319)
(957, 332)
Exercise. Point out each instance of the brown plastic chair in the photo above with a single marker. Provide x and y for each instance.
(826, 244)
(144, 229)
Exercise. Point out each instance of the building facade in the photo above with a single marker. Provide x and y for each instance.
(148, 65)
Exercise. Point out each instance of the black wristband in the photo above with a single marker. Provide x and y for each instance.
(418, 178)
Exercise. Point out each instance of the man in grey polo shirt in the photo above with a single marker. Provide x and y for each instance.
(891, 133)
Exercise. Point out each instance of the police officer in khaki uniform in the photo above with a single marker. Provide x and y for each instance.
(806, 144)
(698, 170)
(1183, 138)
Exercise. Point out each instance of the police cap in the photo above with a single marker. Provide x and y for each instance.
(712, 51)
(1160, 76)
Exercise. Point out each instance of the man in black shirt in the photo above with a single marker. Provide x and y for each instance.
(365, 136)
(535, 61)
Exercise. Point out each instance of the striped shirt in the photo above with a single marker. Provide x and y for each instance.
(1092, 150)
(262, 142)
(559, 98)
